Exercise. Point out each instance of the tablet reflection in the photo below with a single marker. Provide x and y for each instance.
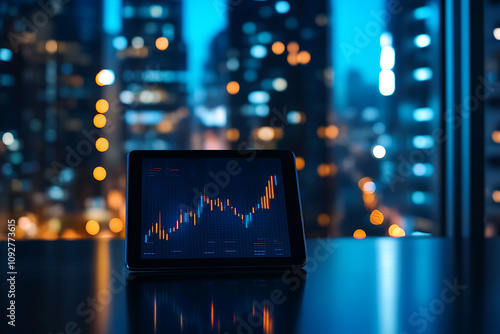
(247, 303)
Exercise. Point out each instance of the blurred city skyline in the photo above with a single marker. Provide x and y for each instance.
(355, 97)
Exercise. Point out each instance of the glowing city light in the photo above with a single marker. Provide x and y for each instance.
(233, 87)
(233, 64)
(282, 7)
(369, 187)
(495, 136)
(8, 138)
(418, 197)
(496, 196)
(161, 43)
(292, 59)
(99, 121)
(398, 232)
(422, 74)
(376, 217)
(421, 169)
(387, 82)
(137, 42)
(387, 58)
(294, 117)
(92, 227)
(265, 133)
(280, 84)
(303, 57)
(422, 40)
(300, 163)
(278, 47)
(379, 151)
(423, 142)
(102, 106)
(119, 42)
(292, 47)
(5, 54)
(423, 114)
(232, 134)
(359, 234)
(116, 225)
(331, 131)
(496, 33)
(258, 51)
(258, 97)
(385, 39)
(422, 13)
(102, 144)
(99, 173)
(105, 77)
(51, 46)
(325, 170)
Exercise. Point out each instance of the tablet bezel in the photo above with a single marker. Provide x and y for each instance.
(134, 205)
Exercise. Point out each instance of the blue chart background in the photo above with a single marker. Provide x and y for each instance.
(171, 184)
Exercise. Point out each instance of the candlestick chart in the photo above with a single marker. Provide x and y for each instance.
(197, 209)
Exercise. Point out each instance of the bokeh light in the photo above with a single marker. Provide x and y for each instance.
(331, 132)
(51, 46)
(303, 57)
(92, 227)
(102, 144)
(278, 47)
(265, 133)
(323, 219)
(292, 47)
(359, 234)
(232, 134)
(116, 225)
(496, 196)
(161, 43)
(99, 173)
(495, 136)
(292, 59)
(102, 106)
(376, 217)
(99, 120)
(378, 151)
(233, 87)
(300, 163)
(105, 78)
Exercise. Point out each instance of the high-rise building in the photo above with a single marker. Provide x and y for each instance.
(278, 90)
(49, 52)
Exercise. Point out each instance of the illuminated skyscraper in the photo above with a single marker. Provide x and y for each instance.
(49, 70)
(153, 76)
(279, 77)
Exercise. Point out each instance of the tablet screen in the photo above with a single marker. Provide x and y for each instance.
(213, 208)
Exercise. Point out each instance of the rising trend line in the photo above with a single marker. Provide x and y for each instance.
(215, 204)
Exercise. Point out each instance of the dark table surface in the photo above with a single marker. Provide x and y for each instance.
(375, 285)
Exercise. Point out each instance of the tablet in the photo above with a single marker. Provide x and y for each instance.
(213, 209)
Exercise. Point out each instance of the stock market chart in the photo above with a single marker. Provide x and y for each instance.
(218, 207)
